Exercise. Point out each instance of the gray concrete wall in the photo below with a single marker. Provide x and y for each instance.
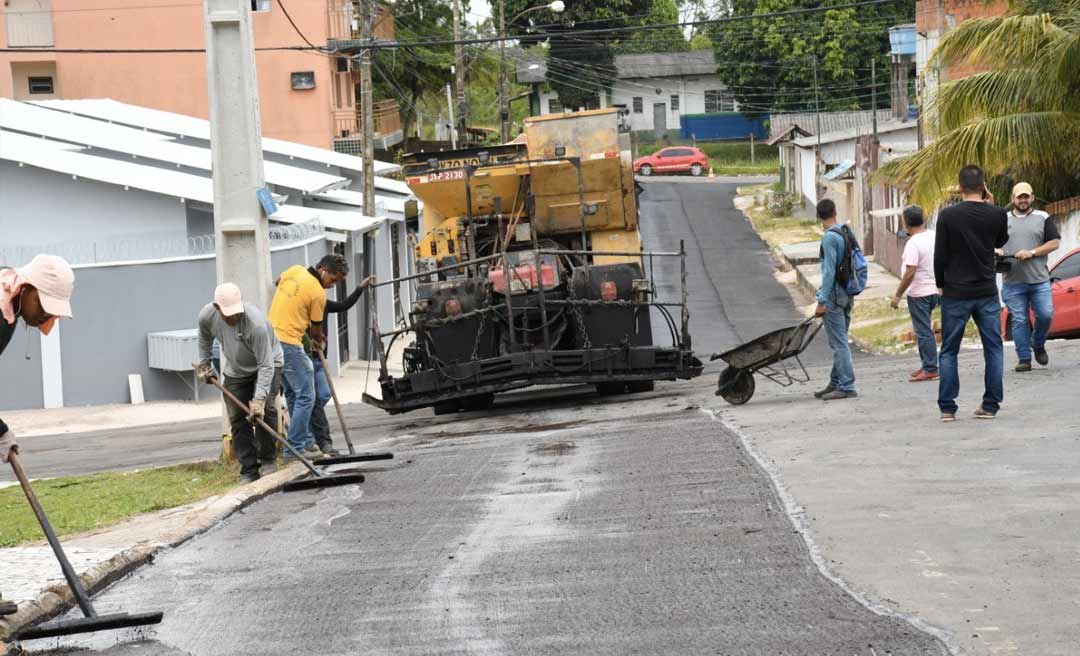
(42, 207)
(115, 307)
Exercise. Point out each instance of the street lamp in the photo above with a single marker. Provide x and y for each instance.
(557, 7)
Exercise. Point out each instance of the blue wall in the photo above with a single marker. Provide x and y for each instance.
(729, 125)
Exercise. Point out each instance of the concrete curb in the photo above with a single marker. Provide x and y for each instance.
(196, 519)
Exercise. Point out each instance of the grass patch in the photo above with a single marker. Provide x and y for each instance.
(779, 230)
(76, 504)
(730, 157)
(878, 328)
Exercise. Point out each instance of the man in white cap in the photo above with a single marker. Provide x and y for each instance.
(251, 367)
(1033, 235)
(40, 293)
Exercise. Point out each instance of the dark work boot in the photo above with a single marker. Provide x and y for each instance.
(1023, 365)
(1041, 355)
(820, 393)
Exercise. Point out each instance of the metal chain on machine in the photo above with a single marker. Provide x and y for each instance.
(479, 332)
(576, 309)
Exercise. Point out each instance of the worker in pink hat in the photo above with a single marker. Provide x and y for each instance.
(40, 293)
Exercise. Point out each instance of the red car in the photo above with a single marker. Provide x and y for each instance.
(677, 159)
(1065, 288)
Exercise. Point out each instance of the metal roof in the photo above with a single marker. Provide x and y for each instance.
(839, 170)
(71, 160)
(356, 199)
(666, 64)
(180, 124)
(332, 219)
(854, 133)
(23, 117)
(830, 121)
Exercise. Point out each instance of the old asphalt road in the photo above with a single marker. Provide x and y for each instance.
(579, 525)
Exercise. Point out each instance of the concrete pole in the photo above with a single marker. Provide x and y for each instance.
(240, 228)
(504, 105)
(367, 99)
(453, 126)
(459, 73)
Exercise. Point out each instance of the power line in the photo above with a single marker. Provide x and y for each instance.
(297, 29)
(383, 45)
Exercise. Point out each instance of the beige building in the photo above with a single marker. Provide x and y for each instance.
(304, 96)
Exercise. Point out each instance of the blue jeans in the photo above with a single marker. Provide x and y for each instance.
(955, 313)
(300, 395)
(1020, 297)
(920, 309)
(322, 388)
(837, 322)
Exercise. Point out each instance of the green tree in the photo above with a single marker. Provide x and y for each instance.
(580, 66)
(1018, 119)
(670, 39)
(415, 75)
(769, 62)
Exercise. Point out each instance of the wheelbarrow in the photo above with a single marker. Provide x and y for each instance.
(765, 355)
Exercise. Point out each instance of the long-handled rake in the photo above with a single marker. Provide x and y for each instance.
(318, 478)
(352, 457)
(92, 621)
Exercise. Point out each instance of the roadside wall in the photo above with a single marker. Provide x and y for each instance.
(115, 306)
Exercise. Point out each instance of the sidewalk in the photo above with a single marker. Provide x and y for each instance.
(970, 526)
(33, 579)
(354, 379)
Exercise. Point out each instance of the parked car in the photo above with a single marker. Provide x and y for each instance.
(677, 159)
(1065, 288)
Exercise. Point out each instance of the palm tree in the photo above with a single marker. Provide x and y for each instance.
(1018, 119)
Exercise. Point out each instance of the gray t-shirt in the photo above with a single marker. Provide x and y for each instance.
(248, 348)
(1028, 232)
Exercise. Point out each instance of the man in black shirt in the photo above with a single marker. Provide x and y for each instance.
(967, 235)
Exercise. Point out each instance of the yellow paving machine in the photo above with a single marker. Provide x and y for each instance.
(530, 271)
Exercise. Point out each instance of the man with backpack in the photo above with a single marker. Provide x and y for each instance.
(964, 269)
(843, 276)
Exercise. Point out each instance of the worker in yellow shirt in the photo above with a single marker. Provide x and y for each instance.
(298, 307)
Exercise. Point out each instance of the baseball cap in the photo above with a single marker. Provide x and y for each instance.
(1021, 189)
(54, 281)
(227, 297)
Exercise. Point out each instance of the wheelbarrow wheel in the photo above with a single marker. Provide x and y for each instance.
(736, 385)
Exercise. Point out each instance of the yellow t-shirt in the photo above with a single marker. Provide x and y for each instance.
(299, 300)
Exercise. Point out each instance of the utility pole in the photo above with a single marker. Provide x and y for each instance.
(459, 71)
(817, 130)
(453, 126)
(504, 103)
(241, 231)
(367, 99)
(873, 97)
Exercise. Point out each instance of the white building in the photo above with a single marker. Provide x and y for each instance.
(132, 209)
(657, 89)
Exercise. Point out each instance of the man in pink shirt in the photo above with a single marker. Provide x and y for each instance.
(922, 292)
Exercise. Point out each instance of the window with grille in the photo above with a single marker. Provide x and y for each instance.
(717, 100)
(554, 106)
(260, 5)
(675, 103)
(639, 105)
(41, 85)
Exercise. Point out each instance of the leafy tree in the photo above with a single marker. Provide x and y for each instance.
(1018, 119)
(769, 62)
(415, 75)
(580, 66)
(669, 39)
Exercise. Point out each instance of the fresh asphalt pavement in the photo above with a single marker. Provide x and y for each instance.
(567, 524)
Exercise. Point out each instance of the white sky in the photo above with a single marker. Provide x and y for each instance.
(479, 10)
